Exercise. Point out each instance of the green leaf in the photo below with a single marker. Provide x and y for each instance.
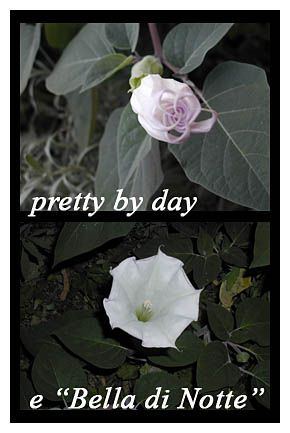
(26, 392)
(221, 321)
(239, 232)
(233, 255)
(262, 245)
(205, 243)
(186, 44)
(58, 35)
(34, 337)
(89, 45)
(29, 44)
(253, 322)
(206, 269)
(189, 347)
(78, 238)
(191, 229)
(261, 379)
(214, 370)
(177, 246)
(104, 68)
(128, 372)
(232, 160)
(144, 182)
(82, 107)
(86, 339)
(146, 386)
(133, 144)
(53, 368)
(123, 35)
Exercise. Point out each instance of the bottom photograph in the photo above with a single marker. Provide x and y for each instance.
(145, 316)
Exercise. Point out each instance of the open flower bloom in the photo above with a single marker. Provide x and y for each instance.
(152, 299)
(165, 105)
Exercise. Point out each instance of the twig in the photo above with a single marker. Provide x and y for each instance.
(155, 40)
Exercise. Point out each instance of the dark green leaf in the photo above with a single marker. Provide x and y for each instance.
(221, 320)
(206, 269)
(239, 232)
(214, 370)
(205, 243)
(262, 245)
(128, 372)
(78, 238)
(86, 339)
(189, 347)
(54, 368)
(234, 256)
(26, 392)
(58, 35)
(34, 337)
(253, 322)
(177, 246)
(188, 228)
(147, 384)
(261, 379)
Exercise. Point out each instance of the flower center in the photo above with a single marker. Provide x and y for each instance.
(144, 313)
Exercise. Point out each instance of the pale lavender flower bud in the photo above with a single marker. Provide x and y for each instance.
(165, 105)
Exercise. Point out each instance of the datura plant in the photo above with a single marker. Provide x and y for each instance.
(152, 299)
(139, 109)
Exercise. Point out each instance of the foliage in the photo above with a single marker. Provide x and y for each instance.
(66, 337)
(74, 75)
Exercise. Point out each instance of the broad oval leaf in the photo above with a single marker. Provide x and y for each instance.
(146, 179)
(104, 68)
(26, 392)
(189, 347)
(89, 45)
(261, 379)
(253, 322)
(83, 109)
(77, 238)
(205, 243)
(232, 160)
(133, 144)
(29, 44)
(147, 384)
(178, 246)
(220, 320)
(214, 370)
(262, 245)
(34, 337)
(186, 45)
(58, 35)
(206, 269)
(54, 368)
(123, 35)
(86, 339)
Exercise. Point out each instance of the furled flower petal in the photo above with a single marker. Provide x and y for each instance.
(152, 299)
(164, 105)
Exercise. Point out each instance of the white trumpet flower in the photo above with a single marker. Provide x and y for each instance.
(152, 299)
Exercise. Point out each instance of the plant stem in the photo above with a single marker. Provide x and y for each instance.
(246, 371)
(155, 40)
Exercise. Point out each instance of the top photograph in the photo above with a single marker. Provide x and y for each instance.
(144, 116)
